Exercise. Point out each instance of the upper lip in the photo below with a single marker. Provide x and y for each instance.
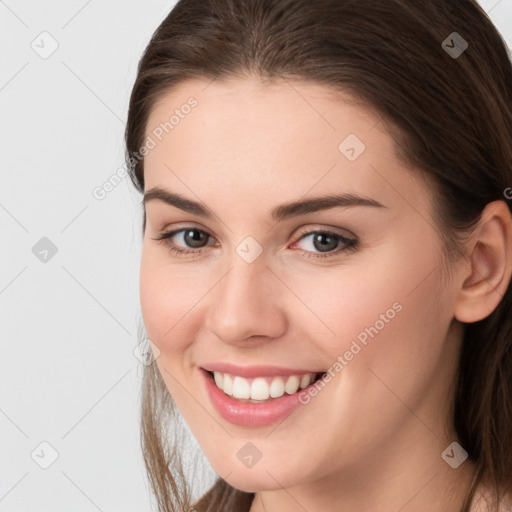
(255, 370)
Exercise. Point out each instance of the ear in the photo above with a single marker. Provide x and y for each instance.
(486, 273)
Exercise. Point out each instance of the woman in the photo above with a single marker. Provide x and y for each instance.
(327, 254)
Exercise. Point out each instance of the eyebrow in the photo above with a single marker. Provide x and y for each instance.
(279, 213)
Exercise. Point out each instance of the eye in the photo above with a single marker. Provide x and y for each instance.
(327, 243)
(192, 237)
(322, 244)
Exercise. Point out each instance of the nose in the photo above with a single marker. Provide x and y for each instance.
(247, 303)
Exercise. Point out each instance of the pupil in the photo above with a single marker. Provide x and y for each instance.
(324, 246)
(195, 236)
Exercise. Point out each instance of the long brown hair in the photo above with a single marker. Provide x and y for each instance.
(452, 120)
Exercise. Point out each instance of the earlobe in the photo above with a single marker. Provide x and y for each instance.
(490, 265)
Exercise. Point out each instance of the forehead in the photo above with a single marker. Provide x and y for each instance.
(257, 138)
(252, 110)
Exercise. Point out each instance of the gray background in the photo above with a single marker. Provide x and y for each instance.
(68, 375)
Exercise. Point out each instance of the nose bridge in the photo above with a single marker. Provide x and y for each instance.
(245, 302)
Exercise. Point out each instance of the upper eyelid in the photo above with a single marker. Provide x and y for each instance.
(308, 230)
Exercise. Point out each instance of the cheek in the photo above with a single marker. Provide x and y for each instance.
(391, 322)
(391, 301)
(167, 295)
(167, 298)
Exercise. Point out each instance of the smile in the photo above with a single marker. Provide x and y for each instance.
(261, 389)
(261, 397)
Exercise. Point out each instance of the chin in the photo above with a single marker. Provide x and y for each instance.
(260, 477)
(254, 483)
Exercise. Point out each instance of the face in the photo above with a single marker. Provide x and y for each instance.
(351, 289)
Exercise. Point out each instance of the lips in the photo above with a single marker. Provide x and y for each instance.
(231, 390)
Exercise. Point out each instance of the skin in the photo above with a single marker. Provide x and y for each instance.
(372, 438)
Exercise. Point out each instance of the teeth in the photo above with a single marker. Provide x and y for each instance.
(219, 380)
(306, 381)
(292, 384)
(227, 385)
(241, 388)
(261, 388)
(277, 387)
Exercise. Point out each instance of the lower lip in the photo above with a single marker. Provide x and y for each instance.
(250, 414)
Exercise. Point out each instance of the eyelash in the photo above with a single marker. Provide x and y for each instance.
(350, 244)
